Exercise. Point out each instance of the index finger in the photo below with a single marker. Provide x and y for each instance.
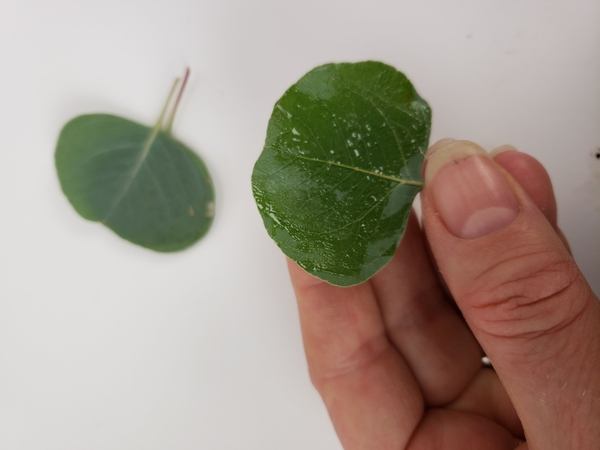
(367, 387)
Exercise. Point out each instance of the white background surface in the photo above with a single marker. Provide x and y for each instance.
(104, 345)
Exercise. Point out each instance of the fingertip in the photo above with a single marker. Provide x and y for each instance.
(442, 153)
(502, 149)
(301, 279)
(432, 149)
(439, 144)
(470, 193)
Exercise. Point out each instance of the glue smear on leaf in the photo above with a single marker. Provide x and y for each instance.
(340, 168)
(139, 181)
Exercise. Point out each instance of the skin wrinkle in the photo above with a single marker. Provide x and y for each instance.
(370, 349)
(544, 351)
(512, 301)
(366, 354)
(571, 377)
(519, 301)
(509, 257)
(565, 325)
(518, 264)
(537, 299)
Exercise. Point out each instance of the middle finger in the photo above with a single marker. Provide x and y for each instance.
(434, 340)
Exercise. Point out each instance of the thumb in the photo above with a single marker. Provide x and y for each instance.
(520, 292)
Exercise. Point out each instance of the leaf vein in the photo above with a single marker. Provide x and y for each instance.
(358, 169)
(134, 173)
(346, 225)
(387, 121)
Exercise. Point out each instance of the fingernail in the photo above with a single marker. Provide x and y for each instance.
(439, 144)
(468, 190)
(502, 149)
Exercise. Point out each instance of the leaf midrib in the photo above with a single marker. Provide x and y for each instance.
(358, 169)
(136, 169)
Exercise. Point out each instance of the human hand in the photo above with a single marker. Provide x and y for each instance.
(399, 368)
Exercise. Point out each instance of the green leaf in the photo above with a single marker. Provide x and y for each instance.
(139, 181)
(340, 168)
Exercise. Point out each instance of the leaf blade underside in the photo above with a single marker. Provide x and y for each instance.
(139, 181)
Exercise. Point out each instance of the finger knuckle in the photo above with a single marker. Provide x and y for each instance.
(338, 365)
(531, 292)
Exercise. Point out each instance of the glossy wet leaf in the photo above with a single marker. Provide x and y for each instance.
(139, 181)
(340, 168)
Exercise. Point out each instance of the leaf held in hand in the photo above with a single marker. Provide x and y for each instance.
(139, 181)
(340, 168)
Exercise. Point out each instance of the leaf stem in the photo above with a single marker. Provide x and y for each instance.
(165, 108)
(183, 84)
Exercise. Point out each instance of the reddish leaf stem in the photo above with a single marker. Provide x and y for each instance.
(176, 105)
